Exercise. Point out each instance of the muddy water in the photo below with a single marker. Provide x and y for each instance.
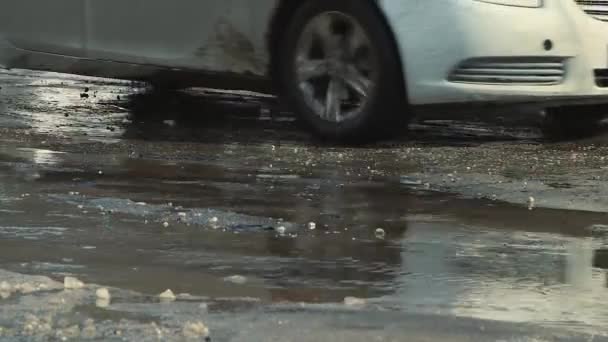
(140, 204)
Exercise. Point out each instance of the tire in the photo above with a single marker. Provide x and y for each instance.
(384, 111)
(564, 123)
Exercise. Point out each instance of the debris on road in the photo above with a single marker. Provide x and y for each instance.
(354, 301)
(196, 330)
(531, 203)
(236, 279)
(103, 293)
(168, 295)
(71, 283)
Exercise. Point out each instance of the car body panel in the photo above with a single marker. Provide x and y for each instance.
(45, 26)
(216, 36)
(433, 37)
(224, 44)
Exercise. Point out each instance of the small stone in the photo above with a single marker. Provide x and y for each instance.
(354, 301)
(166, 224)
(195, 330)
(281, 230)
(5, 286)
(170, 123)
(100, 172)
(312, 226)
(168, 295)
(213, 220)
(380, 233)
(102, 303)
(103, 293)
(236, 279)
(71, 283)
(531, 203)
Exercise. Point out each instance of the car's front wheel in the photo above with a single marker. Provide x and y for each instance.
(341, 73)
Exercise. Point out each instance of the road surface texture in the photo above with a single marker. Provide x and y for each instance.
(469, 229)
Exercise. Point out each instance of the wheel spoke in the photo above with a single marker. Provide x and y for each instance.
(356, 40)
(356, 81)
(333, 101)
(329, 40)
(308, 69)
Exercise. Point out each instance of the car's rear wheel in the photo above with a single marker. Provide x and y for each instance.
(573, 122)
(341, 73)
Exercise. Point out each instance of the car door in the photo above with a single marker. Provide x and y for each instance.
(55, 26)
(213, 35)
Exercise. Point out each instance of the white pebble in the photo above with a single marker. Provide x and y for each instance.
(312, 226)
(71, 283)
(170, 123)
(353, 301)
(168, 295)
(213, 220)
(100, 172)
(166, 224)
(103, 293)
(236, 279)
(531, 203)
(4, 286)
(281, 230)
(182, 214)
(380, 233)
(102, 303)
(195, 330)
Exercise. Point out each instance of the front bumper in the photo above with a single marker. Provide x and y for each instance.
(436, 37)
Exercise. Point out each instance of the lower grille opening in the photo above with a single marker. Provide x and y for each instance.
(510, 71)
(601, 78)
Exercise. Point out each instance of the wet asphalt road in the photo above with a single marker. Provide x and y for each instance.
(212, 195)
